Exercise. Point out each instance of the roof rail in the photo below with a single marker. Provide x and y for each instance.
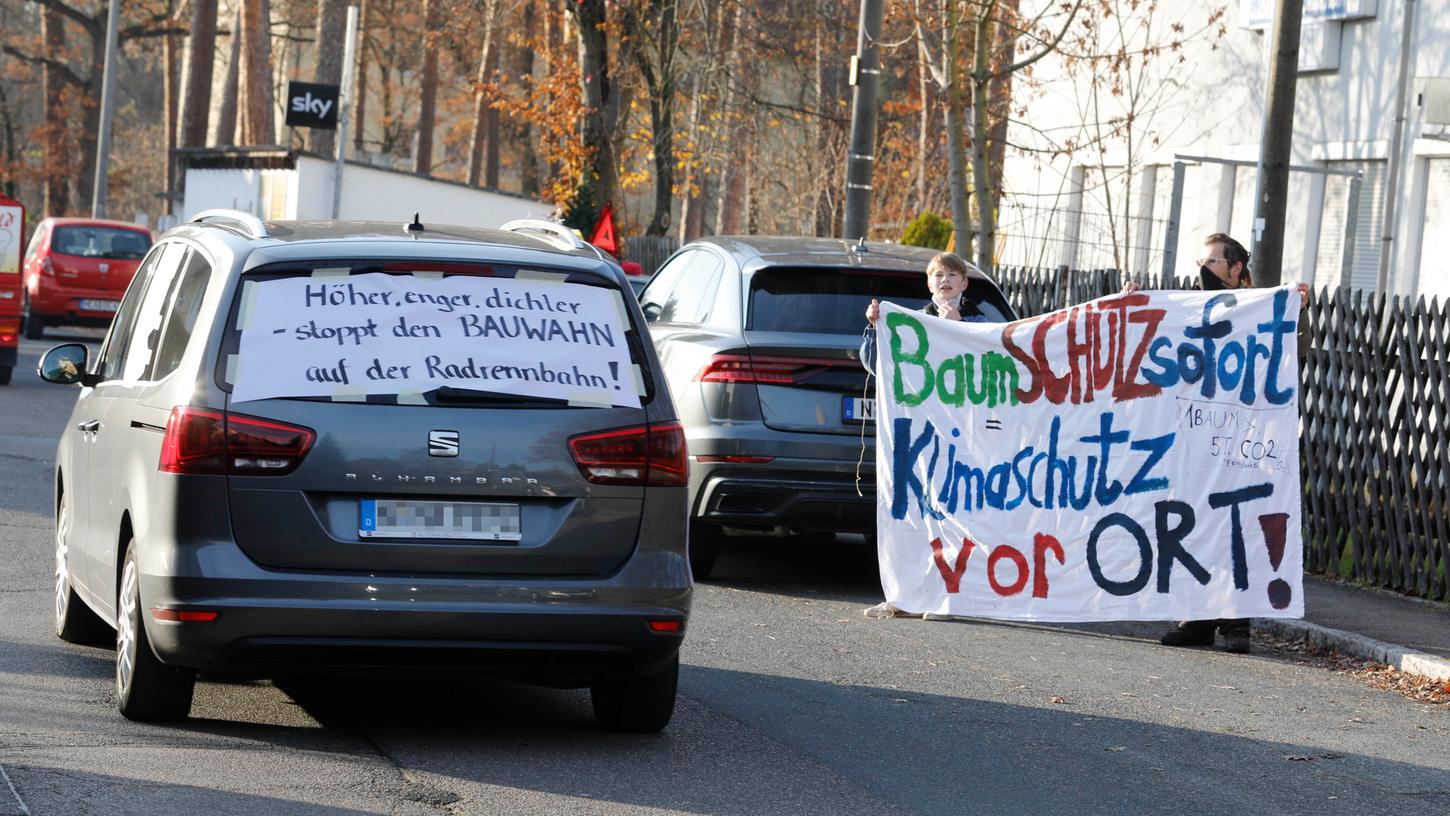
(250, 224)
(559, 235)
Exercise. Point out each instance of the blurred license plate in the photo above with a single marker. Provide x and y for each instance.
(858, 409)
(480, 521)
(88, 305)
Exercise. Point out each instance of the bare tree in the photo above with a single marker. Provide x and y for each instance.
(57, 158)
(600, 95)
(258, 121)
(331, 30)
(226, 124)
(653, 34)
(201, 55)
(428, 93)
(360, 108)
(483, 143)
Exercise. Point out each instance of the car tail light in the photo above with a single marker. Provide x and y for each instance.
(200, 440)
(47, 267)
(666, 626)
(161, 613)
(643, 455)
(7, 333)
(754, 368)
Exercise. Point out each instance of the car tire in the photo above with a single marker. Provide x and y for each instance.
(147, 690)
(33, 324)
(642, 704)
(705, 540)
(5, 373)
(75, 622)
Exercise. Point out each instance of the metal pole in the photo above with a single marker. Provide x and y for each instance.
(866, 70)
(344, 104)
(1277, 142)
(1170, 233)
(1397, 148)
(108, 102)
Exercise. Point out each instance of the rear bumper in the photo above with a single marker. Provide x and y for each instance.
(278, 623)
(797, 494)
(55, 302)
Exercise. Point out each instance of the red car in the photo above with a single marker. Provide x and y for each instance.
(76, 270)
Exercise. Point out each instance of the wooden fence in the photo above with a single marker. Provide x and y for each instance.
(1375, 426)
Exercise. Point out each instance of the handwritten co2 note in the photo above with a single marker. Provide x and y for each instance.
(375, 333)
(1132, 458)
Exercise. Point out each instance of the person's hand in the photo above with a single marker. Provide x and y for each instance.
(949, 313)
(873, 312)
(1129, 287)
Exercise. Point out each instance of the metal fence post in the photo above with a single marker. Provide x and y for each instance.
(1175, 212)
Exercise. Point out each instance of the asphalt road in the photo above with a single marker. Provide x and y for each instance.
(790, 703)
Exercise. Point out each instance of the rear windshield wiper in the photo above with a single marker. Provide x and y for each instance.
(456, 396)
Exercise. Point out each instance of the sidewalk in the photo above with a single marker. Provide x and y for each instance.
(1409, 634)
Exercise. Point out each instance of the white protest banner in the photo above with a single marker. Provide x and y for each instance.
(1132, 458)
(375, 333)
(12, 222)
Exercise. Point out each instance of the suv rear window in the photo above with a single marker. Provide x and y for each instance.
(437, 333)
(101, 242)
(834, 301)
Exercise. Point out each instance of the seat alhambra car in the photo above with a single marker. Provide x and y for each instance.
(76, 269)
(331, 448)
(759, 339)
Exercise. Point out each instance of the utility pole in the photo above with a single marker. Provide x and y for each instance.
(865, 75)
(344, 104)
(1276, 143)
(108, 103)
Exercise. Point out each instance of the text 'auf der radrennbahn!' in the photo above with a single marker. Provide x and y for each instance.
(1132, 458)
(376, 333)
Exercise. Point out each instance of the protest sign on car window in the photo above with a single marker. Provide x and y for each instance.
(1132, 458)
(380, 334)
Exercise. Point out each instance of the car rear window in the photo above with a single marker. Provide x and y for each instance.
(449, 333)
(101, 242)
(834, 301)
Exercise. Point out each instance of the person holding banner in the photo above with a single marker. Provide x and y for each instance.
(947, 280)
(1225, 267)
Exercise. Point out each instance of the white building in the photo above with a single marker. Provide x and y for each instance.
(1105, 199)
(281, 184)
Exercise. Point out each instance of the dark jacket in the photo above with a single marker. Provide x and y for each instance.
(967, 310)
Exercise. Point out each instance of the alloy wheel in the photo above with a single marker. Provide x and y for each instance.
(62, 572)
(126, 629)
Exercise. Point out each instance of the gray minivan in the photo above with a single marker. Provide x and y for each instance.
(486, 529)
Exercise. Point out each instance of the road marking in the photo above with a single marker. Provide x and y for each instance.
(19, 803)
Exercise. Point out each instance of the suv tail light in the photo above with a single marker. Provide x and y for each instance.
(643, 455)
(201, 440)
(754, 368)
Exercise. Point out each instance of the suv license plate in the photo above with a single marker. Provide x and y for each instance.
(858, 409)
(477, 521)
(88, 305)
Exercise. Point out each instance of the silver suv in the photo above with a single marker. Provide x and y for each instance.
(493, 527)
(759, 337)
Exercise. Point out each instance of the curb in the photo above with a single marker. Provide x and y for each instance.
(1406, 660)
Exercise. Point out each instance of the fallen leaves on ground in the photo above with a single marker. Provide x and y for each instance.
(1386, 678)
(1057, 700)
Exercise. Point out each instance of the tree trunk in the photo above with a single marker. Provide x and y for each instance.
(428, 94)
(523, 60)
(196, 107)
(483, 144)
(226, 120)
(660, 79)
(923, 133)
(360, 108)
(91, 114)
(730, 207)
(257, 119)
(956, 135)
(999, 94)
(981, 173)
(598, 95)
(58, 165)
(171, 46)
(331, 32)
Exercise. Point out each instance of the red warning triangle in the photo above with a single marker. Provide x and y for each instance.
(603, 236)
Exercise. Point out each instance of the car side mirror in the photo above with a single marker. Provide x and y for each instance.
(652, 312)
(65, 365)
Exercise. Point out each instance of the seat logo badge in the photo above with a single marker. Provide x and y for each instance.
(443, 443)
(104, 268)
